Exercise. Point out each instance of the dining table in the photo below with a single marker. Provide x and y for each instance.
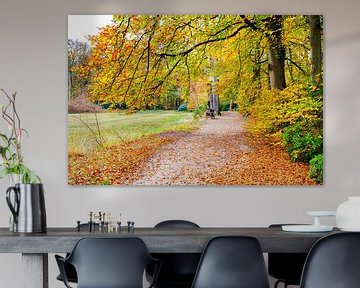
(35, 247)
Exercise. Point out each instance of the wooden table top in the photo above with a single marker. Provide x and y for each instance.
(158, 240)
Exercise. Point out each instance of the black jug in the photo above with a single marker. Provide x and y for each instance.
(28, 208)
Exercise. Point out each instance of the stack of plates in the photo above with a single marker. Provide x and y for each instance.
(316, 227)
(306, 228)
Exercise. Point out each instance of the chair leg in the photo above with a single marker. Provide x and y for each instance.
(278, 282)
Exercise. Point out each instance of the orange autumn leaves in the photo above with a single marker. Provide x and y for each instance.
(263, 164)
(122, 164)
(114, 165)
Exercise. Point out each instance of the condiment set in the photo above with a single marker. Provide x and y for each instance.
(104, 222)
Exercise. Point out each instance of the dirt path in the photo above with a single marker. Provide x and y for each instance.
(192, 159)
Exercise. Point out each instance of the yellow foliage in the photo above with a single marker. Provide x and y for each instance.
(247, 96)
(197, 95)
(274, 110)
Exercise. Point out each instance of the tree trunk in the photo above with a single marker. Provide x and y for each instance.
(315, 43)
(276, 70)
(231, 105)
(276, 53)
(213, 98)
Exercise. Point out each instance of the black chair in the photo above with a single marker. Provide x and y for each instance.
(232, 262)
(69, 269)
(333, 262)
(178, 269)
(108, 263)
(286, 267)
(176, 224)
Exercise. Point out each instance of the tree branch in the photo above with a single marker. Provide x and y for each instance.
(97, 134)
(167, 75)
(296, 65)
(183, 53)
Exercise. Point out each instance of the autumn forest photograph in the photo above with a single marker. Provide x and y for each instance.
(195, 100)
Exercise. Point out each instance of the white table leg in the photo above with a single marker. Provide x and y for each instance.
(35, 270)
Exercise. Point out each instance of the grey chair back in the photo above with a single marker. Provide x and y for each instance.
(333, 262)
(232, 262)
(178, 269)
(108, 262)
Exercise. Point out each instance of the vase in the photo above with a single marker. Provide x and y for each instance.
(27, 205)
(348, 214)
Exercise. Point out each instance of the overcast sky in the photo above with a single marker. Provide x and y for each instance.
(80, 26)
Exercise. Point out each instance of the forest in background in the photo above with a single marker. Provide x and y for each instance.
(268, 67)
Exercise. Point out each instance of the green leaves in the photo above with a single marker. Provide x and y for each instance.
(27, 175)
(301, 143)
(317, 169)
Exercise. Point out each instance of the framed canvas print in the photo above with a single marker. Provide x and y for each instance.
(195, 100)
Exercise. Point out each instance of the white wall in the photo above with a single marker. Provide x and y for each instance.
(33, 62)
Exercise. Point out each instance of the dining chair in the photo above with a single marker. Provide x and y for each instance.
(333, 262)
(178, 269)
(232, 262)
(108, 263)
(285, 267)
(70, 271)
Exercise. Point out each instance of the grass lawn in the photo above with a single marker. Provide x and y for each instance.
(117, 126)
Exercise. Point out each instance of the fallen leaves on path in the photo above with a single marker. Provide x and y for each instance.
(266, 164)
(220, 153)
(191, 159)
(115, 165)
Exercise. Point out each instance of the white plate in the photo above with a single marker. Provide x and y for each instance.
(306, 228)
(321, 213)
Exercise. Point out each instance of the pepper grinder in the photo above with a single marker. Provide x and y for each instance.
(78, 226)
(100, 221)
(90, 221)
